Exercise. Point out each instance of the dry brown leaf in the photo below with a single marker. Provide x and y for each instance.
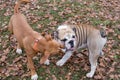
(118, 36)
(54, 77)
(68, 76)
(3, 58)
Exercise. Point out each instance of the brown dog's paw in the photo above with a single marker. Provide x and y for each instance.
(34, 77)
(19, 51)
(47, 62)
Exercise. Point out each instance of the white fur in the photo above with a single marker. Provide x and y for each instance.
(102, 53)
(47, 62)
(19, 51)
(68, 36)
(34, 77)
(60, 62)
(64, 58)
(103, 41)
(67, 45)
(63, 50)
(91, 73)
(62, 27)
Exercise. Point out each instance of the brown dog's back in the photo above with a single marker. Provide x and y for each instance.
(18, 24)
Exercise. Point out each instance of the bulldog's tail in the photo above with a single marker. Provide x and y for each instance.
(102, 32)
(17, 5)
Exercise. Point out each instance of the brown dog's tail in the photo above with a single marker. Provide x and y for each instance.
(17, 5)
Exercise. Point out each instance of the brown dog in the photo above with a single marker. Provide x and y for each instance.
(31, 40)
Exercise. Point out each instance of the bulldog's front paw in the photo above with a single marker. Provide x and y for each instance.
(34, 77)
(19, 51)
(47, 62)
(60, 63)
(90, 75)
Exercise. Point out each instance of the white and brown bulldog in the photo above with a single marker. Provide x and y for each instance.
(74, 37)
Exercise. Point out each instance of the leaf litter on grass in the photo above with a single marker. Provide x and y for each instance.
(47, 15)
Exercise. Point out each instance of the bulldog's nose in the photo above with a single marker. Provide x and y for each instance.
(71, 43)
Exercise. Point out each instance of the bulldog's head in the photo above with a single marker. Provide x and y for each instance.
(66, 36)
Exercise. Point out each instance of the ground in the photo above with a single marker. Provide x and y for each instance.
(46, 15)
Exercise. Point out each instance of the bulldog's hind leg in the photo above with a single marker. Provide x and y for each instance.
(93, 57)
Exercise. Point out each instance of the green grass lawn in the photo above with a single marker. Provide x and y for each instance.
(46, 15)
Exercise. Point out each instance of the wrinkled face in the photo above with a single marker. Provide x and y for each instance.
(67, 37)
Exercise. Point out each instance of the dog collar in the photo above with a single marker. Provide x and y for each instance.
(35, 45)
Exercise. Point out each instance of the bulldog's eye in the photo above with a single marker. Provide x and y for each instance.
(64, 40)
(73, 36)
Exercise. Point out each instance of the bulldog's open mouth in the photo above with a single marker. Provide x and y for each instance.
(69, 45)
(70, 49)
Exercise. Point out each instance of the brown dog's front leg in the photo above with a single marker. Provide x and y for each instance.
(30, 65)
(44, 58)
(30, 54)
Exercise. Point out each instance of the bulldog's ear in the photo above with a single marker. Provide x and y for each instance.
(74, 29)
(48, 37)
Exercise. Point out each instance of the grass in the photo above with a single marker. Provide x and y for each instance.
(97, 21)
(53, 71)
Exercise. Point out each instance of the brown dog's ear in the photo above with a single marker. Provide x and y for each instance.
(43, 33)
(48, 37)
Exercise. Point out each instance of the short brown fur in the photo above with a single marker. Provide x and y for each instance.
(31, 40)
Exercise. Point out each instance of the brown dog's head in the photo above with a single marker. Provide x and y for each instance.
(52, 45)
(48, 44)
